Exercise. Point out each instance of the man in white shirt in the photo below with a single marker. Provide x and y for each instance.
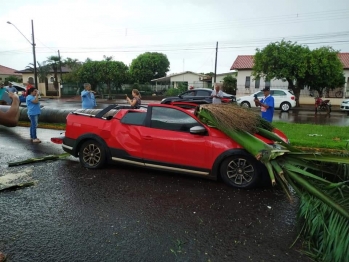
(217, 94)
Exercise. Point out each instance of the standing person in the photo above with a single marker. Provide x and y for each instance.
(136, 100)
(10, 117)
(266, 104)
(2, 91)
(29, 85)
(217, 94)
(10, 88)
(88, 97)
(33, 107)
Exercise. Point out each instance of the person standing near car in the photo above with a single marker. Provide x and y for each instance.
(88, 97)
(34, 111)
(217, 94)
(10, 88)
(136, 101)
(266, 104)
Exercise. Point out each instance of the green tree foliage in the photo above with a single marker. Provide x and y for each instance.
(107, 71)
(299, 66)
(148, 66)
(229, 84)
(73, 65)
(13, 79)
(53, 62)
(325, 70)
(283, 60)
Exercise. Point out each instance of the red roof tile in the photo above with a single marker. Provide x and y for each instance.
(243, 62)
(344, 57)
(246, 61)
(8, 71)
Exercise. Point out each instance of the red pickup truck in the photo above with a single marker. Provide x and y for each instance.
(159, 136)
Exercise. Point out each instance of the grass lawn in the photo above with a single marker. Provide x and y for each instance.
(315, 136)
(300, 135)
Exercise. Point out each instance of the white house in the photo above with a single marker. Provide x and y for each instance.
(189, 78)
(246, 84)
(220, 77)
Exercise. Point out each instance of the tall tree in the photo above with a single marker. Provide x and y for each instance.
(283, 60)
(148, 66)
(229, 84)
(325, 70)
(53, 61)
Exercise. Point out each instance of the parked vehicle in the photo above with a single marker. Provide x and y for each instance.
(345, 106)
(163, 137)
(322, 105)
(198, 94)
(283, 99)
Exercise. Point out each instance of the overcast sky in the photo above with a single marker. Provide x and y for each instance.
(185, 30)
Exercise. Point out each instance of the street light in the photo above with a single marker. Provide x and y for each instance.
(34, 56)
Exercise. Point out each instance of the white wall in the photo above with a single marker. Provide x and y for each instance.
(346, 85)
(192, 79)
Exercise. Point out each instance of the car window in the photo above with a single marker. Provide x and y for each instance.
(189, 93)
(172, 119)
(134, 118)
(203, 93)
(278, 93)
(259, 94)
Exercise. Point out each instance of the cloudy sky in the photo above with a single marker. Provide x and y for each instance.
(185, 30)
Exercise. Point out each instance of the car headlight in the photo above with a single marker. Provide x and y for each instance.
(163, 100)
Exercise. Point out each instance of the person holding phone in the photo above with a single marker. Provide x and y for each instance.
(88, 97)
(217, 94)
(136, 100)
(266, 104)
(34, 111)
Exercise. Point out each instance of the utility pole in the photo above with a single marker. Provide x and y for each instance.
(215, 65)
(60, 70)
(34, 58)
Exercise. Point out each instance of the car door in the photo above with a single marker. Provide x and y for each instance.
(167, 142)
(203, 95)
(279, 97)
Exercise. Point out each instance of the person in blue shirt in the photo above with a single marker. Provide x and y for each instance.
(88, 97)
(266, 104)
(34, 111)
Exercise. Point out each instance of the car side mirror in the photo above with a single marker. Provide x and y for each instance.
(198, 130)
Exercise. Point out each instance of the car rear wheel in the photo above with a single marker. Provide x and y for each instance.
(240, 171)
(285, 106)
(245, 104)
(92, 155)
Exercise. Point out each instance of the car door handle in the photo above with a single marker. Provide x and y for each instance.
(147, 137)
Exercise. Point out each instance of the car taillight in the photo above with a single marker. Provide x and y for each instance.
(57, 140)
(292, 97)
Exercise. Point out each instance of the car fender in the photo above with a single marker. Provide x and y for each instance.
(90, 136)
(224, 155)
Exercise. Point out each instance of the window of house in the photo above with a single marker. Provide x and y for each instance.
(257, 83)
(247, 82)
(134, 118)
(52, 79)
(267, 83)
(172, 119)
(31, 80)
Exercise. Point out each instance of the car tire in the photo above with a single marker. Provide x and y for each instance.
(285, 106)
(92, 155)
(240, 171)
(245, 104)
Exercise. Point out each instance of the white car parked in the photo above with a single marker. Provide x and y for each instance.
(345, 105)
(283, 99)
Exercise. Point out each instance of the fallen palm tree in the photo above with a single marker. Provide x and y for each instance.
(320, 181)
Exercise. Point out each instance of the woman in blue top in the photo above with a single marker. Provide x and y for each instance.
(33, 109)
(88, 97)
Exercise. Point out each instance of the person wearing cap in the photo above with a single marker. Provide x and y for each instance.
(10, 88)
(266, 104)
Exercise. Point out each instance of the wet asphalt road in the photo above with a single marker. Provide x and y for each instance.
(122, 213)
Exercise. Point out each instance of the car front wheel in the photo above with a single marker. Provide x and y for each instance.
(240, 171)
(92, 155)
(285, 106)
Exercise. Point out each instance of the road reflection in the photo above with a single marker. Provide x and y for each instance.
(308, 117)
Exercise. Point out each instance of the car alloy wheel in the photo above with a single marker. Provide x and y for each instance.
(245, 104)
(92, 154)
(239, 171)
(285, 106)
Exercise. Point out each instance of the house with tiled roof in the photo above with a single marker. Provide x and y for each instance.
(6, 72)
(245, 82)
